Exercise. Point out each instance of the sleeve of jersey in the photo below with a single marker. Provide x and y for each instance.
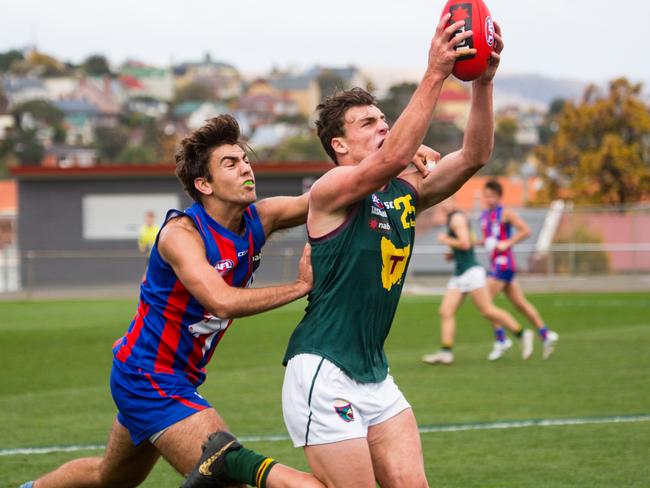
(256, 227)
(408, 189)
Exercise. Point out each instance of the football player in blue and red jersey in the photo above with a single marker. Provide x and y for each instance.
(497, 225)
(201, 266)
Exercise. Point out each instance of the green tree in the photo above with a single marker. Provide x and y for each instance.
(396, 100)
(8, 58)
(506, 150)
(137, 154)
(194, 91)
(27, 149)
(601, 151)
(110, 142)
(304, 147)
(329, 83)
(96, 65)
(41, 111)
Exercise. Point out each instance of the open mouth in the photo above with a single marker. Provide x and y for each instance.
(249, 183)
(381, 143)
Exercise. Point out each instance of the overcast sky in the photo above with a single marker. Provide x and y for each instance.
(590, 40)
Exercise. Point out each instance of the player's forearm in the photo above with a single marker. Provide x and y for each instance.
(478, 140)
(410, 128)
(241, 302)
(519, 236)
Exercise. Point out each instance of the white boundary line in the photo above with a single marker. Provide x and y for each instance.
(502, 425)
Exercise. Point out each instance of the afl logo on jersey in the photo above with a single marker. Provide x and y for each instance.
(224, 266)
(377, 202)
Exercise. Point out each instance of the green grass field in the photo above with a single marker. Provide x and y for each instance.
(55, 359)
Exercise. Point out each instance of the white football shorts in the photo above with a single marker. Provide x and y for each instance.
(470, 280)
(321, 404)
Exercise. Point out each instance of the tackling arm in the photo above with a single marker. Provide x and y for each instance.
(278, 213)
(182, 248)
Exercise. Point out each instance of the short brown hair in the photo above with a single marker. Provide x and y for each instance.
(495, 186)
(331, 113)
(194, 152)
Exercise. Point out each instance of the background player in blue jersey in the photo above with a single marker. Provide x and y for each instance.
(497, 225)
(200, 267)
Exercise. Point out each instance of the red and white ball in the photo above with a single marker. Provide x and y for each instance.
(477, 19)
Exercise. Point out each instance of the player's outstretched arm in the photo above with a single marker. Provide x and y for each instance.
(344, 185)
(278, 213)
(456, 168)
(180, 245)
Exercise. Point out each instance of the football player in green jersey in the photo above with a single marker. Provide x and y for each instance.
(339, 402)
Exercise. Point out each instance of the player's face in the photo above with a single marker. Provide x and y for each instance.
(365, 130)
(490, 198)
(232, 176)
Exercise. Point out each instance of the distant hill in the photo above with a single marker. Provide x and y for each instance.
(535, 90)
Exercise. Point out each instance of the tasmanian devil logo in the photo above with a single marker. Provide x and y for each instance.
(344, 410)
(224, 266)
(463, 11)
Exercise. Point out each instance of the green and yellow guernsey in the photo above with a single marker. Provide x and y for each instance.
(359, 271)
(463, 259)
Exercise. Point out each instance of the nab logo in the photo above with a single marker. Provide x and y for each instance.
(379, 226)
(224, 266)
(241, 254)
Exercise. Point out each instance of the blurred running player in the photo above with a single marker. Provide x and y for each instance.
(469, 279)
(497, 225)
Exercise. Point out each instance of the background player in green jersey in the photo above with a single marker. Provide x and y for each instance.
(339, 402)
(469, 278)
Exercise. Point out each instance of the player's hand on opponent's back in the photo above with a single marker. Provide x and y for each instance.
(305, 273)
(442, 53)
(495, 57)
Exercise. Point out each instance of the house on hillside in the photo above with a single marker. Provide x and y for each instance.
(21, 89)
(223, 78)
(262, 109)
(350, 75)
(302, 90)
(140, 80)
(453, 104)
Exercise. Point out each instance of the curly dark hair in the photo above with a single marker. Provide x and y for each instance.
(331, 113)
(194, 152)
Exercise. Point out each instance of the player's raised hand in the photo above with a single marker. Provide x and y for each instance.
(495, 57)
(442, 53)
(305, 272)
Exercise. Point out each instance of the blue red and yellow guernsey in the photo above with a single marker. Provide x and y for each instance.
(172, 333)
(492, 225)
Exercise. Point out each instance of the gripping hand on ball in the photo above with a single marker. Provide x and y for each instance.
(495, 56)
(442, 53)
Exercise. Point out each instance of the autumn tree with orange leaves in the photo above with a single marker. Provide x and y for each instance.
(600, 151)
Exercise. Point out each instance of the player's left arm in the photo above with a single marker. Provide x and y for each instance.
(522, 228)
(463, 239)
(278, 213)
(456, 168)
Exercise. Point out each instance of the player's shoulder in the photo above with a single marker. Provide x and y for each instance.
(178, 227)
